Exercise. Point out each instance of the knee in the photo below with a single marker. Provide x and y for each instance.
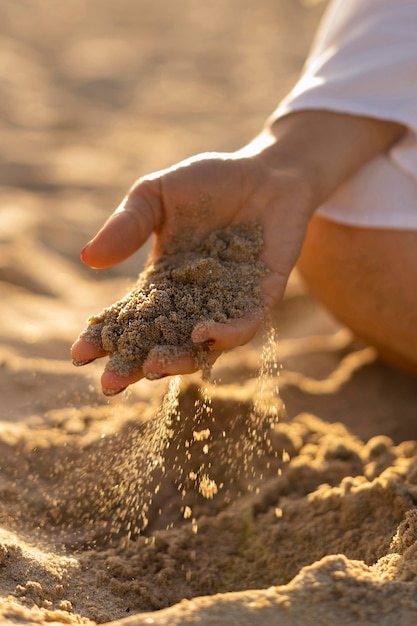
(358, 274)
(328, 263)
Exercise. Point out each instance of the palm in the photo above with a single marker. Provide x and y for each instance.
(212, 192)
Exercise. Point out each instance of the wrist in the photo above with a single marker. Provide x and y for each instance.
(323, 149)
(285, 166)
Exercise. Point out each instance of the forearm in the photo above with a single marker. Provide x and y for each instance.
(325, 148)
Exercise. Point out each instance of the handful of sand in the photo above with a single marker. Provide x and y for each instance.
(217, 281)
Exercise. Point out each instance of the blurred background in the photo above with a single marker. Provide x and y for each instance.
(93, 94)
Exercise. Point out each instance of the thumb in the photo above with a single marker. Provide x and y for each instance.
(127, 229)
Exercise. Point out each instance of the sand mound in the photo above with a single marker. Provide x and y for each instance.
(319, 519)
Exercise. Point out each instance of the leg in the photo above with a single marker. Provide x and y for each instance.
(368, 279)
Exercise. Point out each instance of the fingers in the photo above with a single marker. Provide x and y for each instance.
(219, 337)
(127, 229)
(155, 367)
(83, 352)
(113, 383)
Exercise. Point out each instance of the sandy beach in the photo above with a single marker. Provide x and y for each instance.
(281, 493)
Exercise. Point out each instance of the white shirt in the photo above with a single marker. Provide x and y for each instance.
(364, 62)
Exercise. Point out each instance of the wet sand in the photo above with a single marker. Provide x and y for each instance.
(282, 500)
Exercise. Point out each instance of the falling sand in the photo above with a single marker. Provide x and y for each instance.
(217, 281)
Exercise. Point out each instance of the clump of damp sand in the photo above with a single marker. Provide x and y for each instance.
(217, 281)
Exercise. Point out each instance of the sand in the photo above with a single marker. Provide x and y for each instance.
(214, 281)
(285, 500)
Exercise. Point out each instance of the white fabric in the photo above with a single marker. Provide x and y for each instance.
(364, 62)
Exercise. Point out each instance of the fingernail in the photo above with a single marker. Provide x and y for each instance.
(78, 363)
(113, 392)
(83, 252)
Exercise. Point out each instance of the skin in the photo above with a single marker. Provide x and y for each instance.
(365, 277)
(280, 179)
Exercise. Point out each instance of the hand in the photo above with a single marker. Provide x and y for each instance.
(187, 202)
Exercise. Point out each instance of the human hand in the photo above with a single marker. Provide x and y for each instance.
(182, 206)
